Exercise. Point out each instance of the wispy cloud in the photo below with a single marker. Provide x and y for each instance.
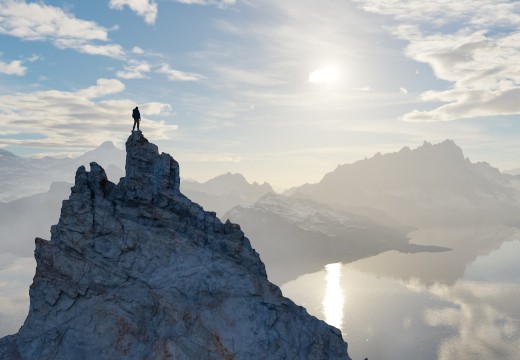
(219, 3)
(80, 119)
(145, 8)
(40, 22)
(33, 58)
(15, 67)
(177, 75)
(472, 44)
(137, 50)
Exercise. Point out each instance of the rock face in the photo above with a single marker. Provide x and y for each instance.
(138, 271)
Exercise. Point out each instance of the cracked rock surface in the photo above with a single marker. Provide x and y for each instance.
(138, 271)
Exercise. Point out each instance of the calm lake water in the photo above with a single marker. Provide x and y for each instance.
(461, 304)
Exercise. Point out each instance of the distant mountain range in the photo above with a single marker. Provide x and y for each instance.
(22, 176)
(433, 184)
(224, 192)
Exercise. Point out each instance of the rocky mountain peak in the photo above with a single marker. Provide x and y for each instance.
(138, 271)
(149, 176)
(446, 149)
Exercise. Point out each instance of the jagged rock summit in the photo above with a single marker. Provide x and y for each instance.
(138, 271)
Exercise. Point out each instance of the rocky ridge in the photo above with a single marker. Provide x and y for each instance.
(136, 270)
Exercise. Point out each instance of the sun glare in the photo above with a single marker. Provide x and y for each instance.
(324, 75)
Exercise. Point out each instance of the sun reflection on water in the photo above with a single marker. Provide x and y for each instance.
(334, 298)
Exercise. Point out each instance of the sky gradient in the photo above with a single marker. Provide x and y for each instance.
(280, 91)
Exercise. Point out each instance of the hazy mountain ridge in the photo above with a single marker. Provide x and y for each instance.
(512, 172)
(24, 219)
(224, 192)
(428, 185)
(137, 270)
(23, 176)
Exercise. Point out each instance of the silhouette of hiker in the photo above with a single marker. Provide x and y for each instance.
(137, 117)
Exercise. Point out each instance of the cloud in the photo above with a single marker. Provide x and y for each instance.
(113, 50)
(15, 67)
(40, 22)
(78, 120)
(102, 87)
(145, 8)
(177, 75)
(137, 50)
(473, 45)
(218, 3)
(134, 70)
(441, 12)
(33, 58)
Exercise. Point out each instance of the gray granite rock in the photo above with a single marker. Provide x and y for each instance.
(138, 271)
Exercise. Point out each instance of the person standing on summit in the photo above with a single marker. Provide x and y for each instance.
(137, 118)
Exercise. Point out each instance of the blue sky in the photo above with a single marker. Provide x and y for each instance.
(280, 91)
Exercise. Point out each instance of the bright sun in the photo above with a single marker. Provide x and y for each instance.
(324, 75)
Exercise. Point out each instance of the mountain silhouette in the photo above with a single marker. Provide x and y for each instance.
(433, 184)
